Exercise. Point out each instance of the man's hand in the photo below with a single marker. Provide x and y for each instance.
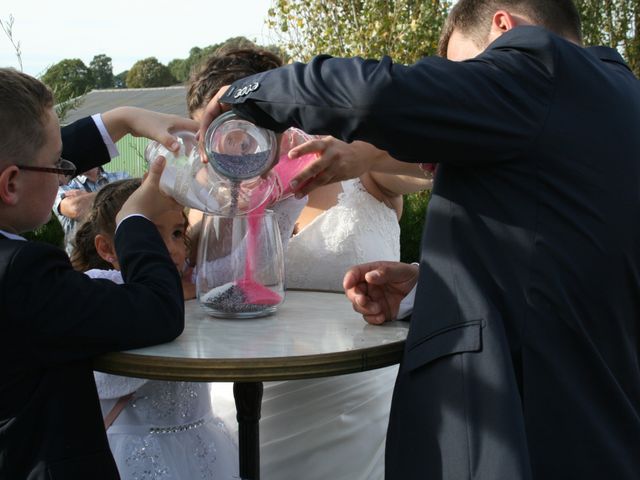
(76, 204)
(337, 161)
(148, 200)
(213, 110)
(377, 288)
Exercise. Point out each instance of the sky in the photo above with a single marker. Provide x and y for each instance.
(126, 31)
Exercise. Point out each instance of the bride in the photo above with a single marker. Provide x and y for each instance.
(332, 427)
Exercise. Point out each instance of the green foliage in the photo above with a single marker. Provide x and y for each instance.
(120, 80)
(181, 68)
(411, 225)
(102, 71)
(613, 23)
(149, 73)
(51, 232)
(404, 29)
(68, 79)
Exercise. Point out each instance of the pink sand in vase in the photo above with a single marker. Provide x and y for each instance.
(253, 292)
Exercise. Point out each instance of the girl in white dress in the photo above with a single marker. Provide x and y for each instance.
(156, 429)
(334, 427)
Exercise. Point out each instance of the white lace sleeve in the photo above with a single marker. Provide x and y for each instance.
(114, 275)
(287, 212)
(115, 386)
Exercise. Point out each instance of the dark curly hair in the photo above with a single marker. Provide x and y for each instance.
(223, 68)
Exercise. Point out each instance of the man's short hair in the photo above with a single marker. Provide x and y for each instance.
(23, 103)
(473, 18)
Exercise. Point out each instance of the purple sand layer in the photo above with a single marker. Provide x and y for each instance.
(241, 166)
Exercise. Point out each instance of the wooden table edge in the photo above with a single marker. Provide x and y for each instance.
(250, 369)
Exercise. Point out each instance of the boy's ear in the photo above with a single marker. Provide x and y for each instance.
(9, 185)
(104, 247)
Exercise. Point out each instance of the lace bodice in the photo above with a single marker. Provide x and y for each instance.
(167, 430)
(358, 229)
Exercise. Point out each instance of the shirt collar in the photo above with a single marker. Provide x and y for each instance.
(83, 178)
(608, 55)
(12, 236)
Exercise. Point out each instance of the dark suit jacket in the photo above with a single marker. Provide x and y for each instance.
(53, 320)
(522, 358)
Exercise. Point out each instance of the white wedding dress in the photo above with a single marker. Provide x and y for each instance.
(167, 429)
(334, 427)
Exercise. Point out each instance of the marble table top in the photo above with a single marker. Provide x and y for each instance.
(312, 334)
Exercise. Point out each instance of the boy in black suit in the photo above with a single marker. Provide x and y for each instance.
(53, 320)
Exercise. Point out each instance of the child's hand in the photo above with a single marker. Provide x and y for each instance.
(148, 200)
(188, 289)
(145, 123)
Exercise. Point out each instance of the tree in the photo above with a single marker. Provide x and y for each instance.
(120, 80)
(149, 73)
(404, 29)
(7, 27)
(102, 71)
(68, 79)
(613, 23)
(181, 68)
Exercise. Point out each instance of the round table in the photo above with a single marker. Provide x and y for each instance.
(313, 334)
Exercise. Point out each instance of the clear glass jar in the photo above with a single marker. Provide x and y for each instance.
(238, 149)
(189, 181)
(245, 154)
(240, 176)
(195, 184)
(240, 266)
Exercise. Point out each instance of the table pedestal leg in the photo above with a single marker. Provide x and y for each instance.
(248, 397)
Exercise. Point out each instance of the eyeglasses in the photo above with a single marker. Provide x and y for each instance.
(63, 167)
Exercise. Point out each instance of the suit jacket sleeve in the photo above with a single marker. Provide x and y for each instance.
(82, 144)
(433, 111)
(51, 313)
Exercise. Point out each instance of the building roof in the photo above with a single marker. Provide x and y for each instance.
(161, 99)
